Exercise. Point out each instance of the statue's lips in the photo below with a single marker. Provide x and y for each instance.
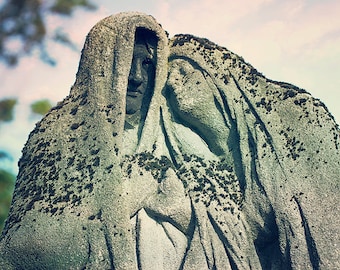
(133, 93)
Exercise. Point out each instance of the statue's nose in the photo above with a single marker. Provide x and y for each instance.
(136, 73)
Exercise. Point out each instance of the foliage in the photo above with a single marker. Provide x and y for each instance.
(3, 155)
(23, 26)
(6, 109)
(7, 181)
(41, 106)
(67, 6)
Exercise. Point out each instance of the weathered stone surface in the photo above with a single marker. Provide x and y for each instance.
(217, 168)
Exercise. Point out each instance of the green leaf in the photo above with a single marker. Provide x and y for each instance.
(7, 181)
(41, 106)
(66, 7)
(6, 109)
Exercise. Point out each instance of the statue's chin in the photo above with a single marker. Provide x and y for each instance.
(130, 112)
(133, 104)
(130, 108)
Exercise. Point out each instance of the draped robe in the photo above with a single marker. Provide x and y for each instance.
(73, 203)
(282, 146)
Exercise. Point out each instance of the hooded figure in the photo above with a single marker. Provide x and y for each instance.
(209, 170)
(96, 167)
(280, 145)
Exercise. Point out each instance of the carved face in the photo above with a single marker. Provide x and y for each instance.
(193, 97)
(189, 90)
(141, 78)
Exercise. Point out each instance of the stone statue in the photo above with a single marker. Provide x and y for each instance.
(175, 155)
(280, 144)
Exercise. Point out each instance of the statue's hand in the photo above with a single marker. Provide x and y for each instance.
(171, 201)
(151, 183)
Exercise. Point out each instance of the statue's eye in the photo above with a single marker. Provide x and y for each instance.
(147, 61)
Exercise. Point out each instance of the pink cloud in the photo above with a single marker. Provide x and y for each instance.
(204, 17)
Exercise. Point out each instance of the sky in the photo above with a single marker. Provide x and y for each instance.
(294, 41)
